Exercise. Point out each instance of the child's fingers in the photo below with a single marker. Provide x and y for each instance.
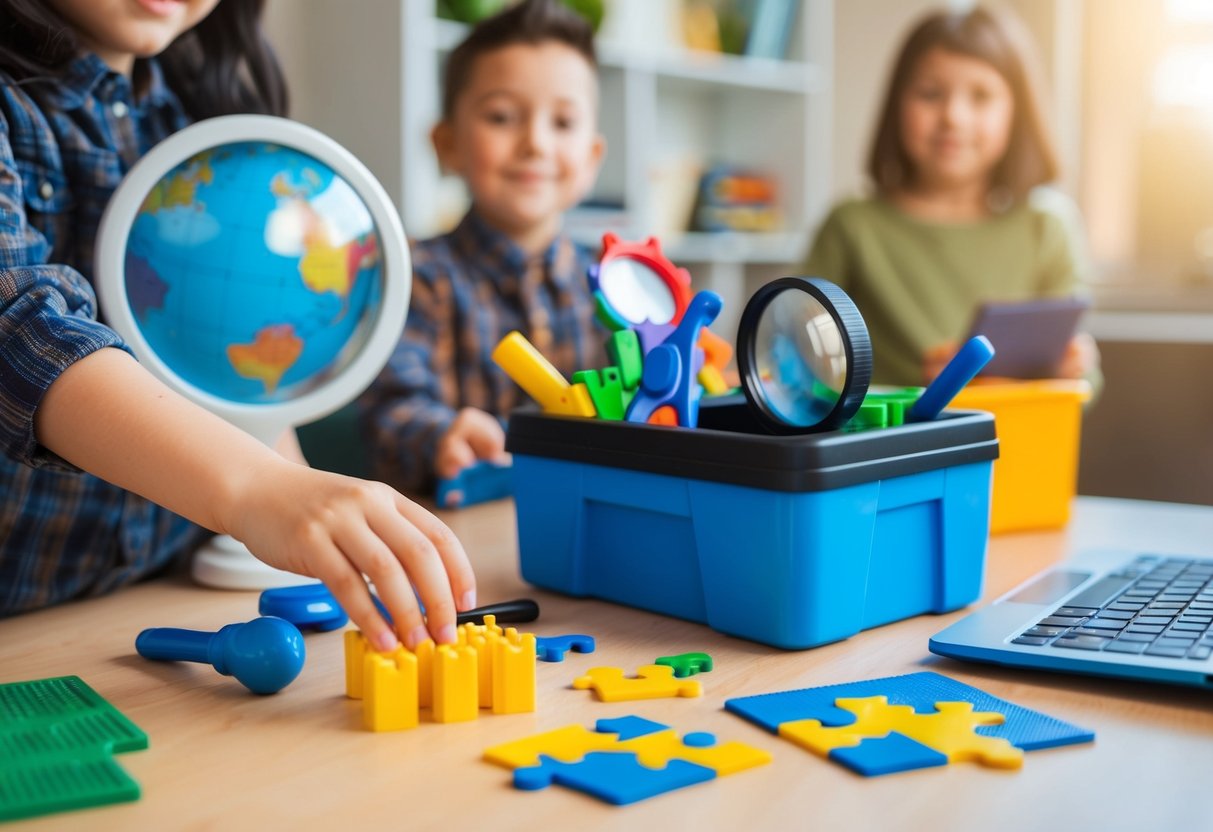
(459, 576)
(454, 454)
(371, 555)
(425, 566)
(349, 588)
(487, 440)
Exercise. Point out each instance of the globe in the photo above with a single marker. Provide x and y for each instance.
(252, 270)
(258, 268)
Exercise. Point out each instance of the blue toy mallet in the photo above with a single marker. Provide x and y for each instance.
(265, 654)
(975, 354)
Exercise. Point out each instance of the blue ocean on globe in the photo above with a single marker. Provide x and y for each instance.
(254, 272)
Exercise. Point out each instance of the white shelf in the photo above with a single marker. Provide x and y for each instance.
(714, 68)
(668, 113)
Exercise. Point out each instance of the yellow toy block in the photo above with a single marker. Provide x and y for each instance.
(456, 689)
(657, 749)
(480, 641)
(949, 730)
(568, 744)
(514, 673)
(542, 382)
(390, 691)
(491, 627)
(654, 681)
(425, 673)
(355, 649)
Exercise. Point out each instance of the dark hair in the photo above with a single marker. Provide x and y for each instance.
(1000, 41)
(531, 22)
(223, 65)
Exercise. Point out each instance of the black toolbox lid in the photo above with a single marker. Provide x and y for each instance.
(729, 446)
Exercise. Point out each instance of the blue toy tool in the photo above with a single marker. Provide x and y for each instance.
(480, 482)
(308, 607)
(670, 368)
(265, 654)
(973, 356)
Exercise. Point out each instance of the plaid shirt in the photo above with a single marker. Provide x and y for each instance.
(64, 146)
(471, 288)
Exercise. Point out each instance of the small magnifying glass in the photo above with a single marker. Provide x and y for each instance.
(634, 285)
(804, 355)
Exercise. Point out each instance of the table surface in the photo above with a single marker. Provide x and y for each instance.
(220, 757)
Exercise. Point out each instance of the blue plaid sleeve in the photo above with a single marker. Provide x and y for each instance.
(47, 318)
(409, 407)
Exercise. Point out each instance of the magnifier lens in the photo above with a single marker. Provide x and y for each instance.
(804, 355)
(801, 359)
(636, 292)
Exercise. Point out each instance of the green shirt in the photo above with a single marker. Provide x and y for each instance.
(919, 283)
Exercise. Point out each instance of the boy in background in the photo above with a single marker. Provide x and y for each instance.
(519, 125)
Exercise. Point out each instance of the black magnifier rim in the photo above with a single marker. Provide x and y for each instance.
(856, 344)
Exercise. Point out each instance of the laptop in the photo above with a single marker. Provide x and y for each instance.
(1109, 613)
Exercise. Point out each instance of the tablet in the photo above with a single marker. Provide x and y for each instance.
(1029, 337)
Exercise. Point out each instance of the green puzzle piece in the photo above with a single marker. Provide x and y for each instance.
(610, 399)
(687, 664)
(56, 741)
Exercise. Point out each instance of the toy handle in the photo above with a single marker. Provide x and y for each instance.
(507, 612)
(169, 644)
(975, 354)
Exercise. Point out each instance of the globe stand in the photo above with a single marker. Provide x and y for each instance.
(223, 562)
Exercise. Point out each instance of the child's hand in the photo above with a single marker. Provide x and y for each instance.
(337, 528)
(473, 435)
(936, 358)
(1082, 356)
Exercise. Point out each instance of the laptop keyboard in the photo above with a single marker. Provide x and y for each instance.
(1155, 606)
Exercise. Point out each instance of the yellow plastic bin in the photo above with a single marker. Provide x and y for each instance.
(1038, 425)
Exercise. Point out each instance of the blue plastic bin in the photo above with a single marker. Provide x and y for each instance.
(793, 541)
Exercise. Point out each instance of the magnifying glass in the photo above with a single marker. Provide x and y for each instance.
(804, 355)
(259, 269)
(635, 285)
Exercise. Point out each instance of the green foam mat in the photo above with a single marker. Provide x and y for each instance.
(56, 738)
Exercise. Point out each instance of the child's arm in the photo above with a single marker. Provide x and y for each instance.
(108, 415)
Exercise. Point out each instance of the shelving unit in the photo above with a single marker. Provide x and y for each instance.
(666, 112)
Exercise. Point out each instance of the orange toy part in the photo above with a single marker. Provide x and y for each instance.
(649, 253)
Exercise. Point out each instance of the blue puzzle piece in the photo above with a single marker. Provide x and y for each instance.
(886, 755)
(553, 648)
(630, 727)
(480, 482)
(1025, 728)
(308, 607)
(699, 739)
(613, 776)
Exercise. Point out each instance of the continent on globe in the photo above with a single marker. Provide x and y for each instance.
(328, 268)
(181, 188)
(273, 351)
(145, 289)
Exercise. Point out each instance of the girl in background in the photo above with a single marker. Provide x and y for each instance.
(959, 216)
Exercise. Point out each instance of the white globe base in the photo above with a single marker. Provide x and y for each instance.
(225, 563)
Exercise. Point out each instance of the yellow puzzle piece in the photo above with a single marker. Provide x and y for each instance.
(653, 681)
(655, 750)
(949, 730)
(658, 749)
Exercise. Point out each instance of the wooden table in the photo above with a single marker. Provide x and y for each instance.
(221, 758)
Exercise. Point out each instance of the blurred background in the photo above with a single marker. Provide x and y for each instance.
(779, 98)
